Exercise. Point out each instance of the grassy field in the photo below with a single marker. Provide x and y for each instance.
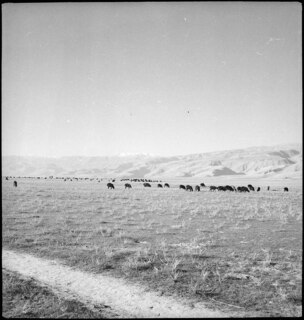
(25, 298)
(241, 251)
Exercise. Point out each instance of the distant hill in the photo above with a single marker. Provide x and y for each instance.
(282, 161)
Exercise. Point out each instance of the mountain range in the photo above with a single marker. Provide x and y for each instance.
(281, 161)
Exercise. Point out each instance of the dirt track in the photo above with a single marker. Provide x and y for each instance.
(128, 300)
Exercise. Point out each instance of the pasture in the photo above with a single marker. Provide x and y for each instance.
(241, 251)
(21, 297)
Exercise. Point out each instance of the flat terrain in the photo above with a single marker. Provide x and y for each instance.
(26, 298)
(229, 250)
(104, 292)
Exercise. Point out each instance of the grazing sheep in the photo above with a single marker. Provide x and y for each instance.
(221, 188)
(189, 188)
(167, 185)
(286, 189)
(258, 189)
(146, 184)
(182, 187)
(110, 185)
(268, 188)
(212, 188)
(159, 186)
(229, 188)
(15, 183)
(250, 187)
(197, 188)
(243, 189)
(128, 186)
(203, 185)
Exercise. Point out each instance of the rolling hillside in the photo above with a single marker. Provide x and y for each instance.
(282, 161)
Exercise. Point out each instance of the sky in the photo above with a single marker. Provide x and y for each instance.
(164, 78)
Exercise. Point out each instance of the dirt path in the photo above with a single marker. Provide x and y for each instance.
(128, 300)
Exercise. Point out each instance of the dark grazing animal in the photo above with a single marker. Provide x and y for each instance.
(6, 178)
(110, 185)
(258, 189)
(159, 186)
(268, 188)
(221, 188)
(15, 183)
(286, 189)
(182, 187)
(250, 187)
(146, 184)
(242, 189)
(128, 186)
(202, 185)
(189, 188)
(167, 185)
(197, 188)
(212, 188)
(229, 188)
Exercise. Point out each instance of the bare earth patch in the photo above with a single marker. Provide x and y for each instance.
(127, 299)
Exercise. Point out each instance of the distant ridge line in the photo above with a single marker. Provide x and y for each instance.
(276, 161)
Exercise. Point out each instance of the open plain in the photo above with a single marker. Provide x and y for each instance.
(152, 160)
(231, 251)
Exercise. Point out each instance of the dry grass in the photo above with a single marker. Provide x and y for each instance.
(238, 250)
(25, 298)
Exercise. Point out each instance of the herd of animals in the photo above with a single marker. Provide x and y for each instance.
(146, 183)
(198, 187)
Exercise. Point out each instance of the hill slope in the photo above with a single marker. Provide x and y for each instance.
(277, 161)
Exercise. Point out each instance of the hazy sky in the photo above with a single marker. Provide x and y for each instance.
(161, 78)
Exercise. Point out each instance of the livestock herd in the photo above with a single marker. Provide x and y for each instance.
(146, 183)
(198, 187)
(226, 188)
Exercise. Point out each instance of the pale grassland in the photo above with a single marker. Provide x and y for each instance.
(231, 250)
(25, 298)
